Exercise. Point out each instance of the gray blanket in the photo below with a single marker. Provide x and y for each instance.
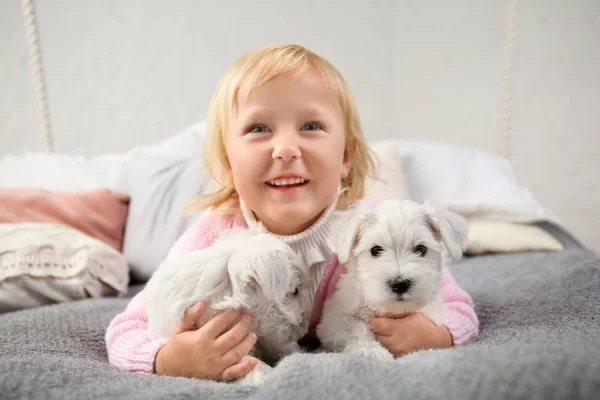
(540, 339)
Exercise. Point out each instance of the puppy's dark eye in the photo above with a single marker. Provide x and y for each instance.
(295, 293)
(420, 250)
(376, 251)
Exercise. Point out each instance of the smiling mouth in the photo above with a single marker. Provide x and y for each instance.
(284, 183)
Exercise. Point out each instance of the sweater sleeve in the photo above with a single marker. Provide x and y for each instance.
(460, 317)
(129, 344)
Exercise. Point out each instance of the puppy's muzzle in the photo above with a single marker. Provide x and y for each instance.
(399, 286)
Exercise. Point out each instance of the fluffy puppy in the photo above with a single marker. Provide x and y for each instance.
(393, 256)
(248, 270)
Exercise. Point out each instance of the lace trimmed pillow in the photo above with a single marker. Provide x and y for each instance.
(45, 263)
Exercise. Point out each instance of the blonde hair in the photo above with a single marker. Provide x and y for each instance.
(253, 70)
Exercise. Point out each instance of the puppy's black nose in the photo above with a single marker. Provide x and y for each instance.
(399, 285)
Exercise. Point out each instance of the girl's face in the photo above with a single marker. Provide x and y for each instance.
(285, 146)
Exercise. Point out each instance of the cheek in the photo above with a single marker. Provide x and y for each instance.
(245, 167)
(331, 160)
(238, 155)
(238, 173)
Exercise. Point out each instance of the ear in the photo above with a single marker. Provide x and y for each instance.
(347, 160)
(183, 272)
(345, 227)
(448, 228)
(261, 272)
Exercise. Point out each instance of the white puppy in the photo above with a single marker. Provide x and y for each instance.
(393, 255)
(252, 271)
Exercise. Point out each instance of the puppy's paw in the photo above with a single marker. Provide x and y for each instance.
(370, 349)
(257, 376)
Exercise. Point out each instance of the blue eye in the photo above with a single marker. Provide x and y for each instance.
(312, 126)
(258, 129)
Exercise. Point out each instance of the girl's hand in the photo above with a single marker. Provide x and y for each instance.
(404, 334)
(214, 351)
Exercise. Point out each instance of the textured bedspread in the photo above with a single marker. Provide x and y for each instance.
(540, 339)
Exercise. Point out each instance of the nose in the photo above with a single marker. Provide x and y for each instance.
(286, 152)
(399, 285)
(286, 148)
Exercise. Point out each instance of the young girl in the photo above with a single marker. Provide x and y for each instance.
(286, 148)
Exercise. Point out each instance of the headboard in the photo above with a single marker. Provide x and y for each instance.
(518, 79)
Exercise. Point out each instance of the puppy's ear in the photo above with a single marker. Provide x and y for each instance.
(345, 228)
(210, 279)
(448, 228)
(264, 272)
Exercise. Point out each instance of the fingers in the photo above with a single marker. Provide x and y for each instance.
(235, 335)
(190, 318)
(220, 323)
(235, 354)
(382, 326)
(392, 345)
(386, 341)
(238, 370)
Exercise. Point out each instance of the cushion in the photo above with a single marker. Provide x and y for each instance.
(508, 237)
(45, 263)
(100, 213)
(160, 189)
(159, 178)
(471, 182)
(60, 172)
(391, 183)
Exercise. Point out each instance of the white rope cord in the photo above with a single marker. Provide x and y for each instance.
(507, 89)
(37, 74)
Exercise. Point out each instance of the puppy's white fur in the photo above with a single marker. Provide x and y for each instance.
(243, 269)
(397, 227)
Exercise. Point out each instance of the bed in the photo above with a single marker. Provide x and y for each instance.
(538, 305)
(540, 336)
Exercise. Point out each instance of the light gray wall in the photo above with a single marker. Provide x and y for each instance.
(18, 124)
(121, 73)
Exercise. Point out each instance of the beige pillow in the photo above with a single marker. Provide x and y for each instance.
(44, 263)
(506, 237)
(393, 182)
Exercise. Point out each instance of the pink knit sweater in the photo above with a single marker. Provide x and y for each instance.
(132, 347)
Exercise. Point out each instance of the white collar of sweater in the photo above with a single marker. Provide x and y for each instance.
(314, 243)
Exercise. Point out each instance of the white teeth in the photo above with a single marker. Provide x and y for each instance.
(286, 181)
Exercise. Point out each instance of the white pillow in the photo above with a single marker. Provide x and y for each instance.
(159, 178)
(468, 181)
(159, 189)
(44, 263)
(59, 172)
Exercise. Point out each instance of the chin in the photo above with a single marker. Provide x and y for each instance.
(292, 218)
(390, 305)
